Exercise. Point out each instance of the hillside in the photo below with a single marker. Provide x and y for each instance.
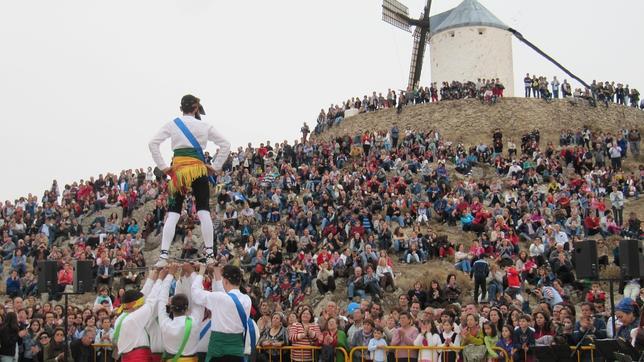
(467, 120)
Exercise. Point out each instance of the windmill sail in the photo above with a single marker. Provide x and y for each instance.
(396, 14)
(414, 57)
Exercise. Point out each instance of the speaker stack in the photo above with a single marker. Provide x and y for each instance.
(83, 276)
(631, 259)
(47, 276)
(585, 257)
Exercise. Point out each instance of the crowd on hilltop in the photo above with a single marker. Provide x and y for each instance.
(305, 217)
(604, 92)
(486, 90)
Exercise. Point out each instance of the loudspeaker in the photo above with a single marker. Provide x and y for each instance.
(631, 259)
(47, 276)
(585, 256)
(83, 276)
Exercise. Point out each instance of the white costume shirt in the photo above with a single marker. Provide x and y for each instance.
(133, 329)
(202, 131)
(172, 330)
(225, 318)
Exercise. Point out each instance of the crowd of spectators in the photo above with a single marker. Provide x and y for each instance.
(308, 217)
(485, 90)
(604, 92)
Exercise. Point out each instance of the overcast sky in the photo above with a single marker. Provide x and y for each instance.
(84, 84)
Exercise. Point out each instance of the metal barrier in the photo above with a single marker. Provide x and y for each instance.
(313, 350)
(578, 351)
(107, 353)
(436, 349)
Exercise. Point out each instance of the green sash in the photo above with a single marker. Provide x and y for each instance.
(117, 331)
(225, 344)
(186, 336)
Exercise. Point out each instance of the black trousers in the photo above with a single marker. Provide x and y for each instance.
(479, 283)
(201, 192)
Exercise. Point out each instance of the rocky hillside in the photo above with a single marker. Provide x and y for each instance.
(467, 120)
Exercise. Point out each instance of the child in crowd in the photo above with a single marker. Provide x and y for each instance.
(377, 346)
(449, 338)
(491, 339)
(505, 342)
(428, 337)
(523, 340)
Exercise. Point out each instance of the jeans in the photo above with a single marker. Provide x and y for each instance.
(527, 92)
(351, 291)
(493, 289)
(555, 93)
(618, 214)
(464, 265)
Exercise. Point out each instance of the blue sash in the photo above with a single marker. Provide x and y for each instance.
(247, 322)
(195, 144)
(205, 329)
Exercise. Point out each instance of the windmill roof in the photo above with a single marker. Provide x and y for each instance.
(467, 13)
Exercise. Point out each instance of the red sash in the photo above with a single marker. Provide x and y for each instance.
(137, 355)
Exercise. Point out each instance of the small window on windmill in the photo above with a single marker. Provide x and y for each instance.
(451, 33)
(481, 31)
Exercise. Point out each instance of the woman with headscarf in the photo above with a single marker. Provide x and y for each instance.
(627, 312)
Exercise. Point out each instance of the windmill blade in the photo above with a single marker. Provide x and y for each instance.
(395, 7)
(396, 14)
(417, 31)
(414, 56)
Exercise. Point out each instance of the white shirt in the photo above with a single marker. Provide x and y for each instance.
(225, 318)
(202, 131)
(172, 330)
(561, 238)
(133, 328)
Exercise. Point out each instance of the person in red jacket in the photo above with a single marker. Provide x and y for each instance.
(596, 294)
(514, 281)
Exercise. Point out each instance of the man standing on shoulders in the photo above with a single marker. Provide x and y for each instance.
(189, 171)
(230, 314)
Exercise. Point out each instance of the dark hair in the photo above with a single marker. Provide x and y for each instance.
(179, 303)
(492, 326)
(11, 322)
(232, 274)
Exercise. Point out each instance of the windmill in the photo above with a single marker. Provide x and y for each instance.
(488, 49)
(397, 14)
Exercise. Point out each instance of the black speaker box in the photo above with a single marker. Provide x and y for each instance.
(585, 256)
(631, 258)
(83, 276)
(47, 276)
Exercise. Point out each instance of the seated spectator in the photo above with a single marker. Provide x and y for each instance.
(325, 281)
(463, 260)
(13, 288)
(105, 273)
(19, 262)
(385, 274)
(451, 290)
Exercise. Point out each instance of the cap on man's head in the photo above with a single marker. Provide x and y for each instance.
(189, 101)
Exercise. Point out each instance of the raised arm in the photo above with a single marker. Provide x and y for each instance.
(164, 292)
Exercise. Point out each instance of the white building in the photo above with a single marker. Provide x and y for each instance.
(467, 43)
